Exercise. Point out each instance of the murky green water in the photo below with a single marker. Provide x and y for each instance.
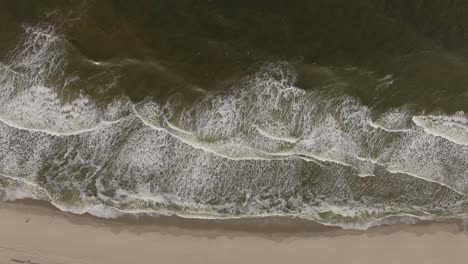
(342, 112)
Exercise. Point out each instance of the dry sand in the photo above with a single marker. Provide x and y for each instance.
(39, 234)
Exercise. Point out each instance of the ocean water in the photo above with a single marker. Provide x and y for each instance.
(342, 112)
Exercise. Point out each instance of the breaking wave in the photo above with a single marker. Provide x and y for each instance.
(265, 147)
(453, 128)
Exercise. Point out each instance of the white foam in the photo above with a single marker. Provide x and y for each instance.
(32, 97)
(394, 120)
(453, 128)
(385, 82)
(240, 152)
(98, 210)
(332, 129)
(419, 177)
(363, 175)
(19, 188)
(275, 137)
(56, 133)
(375, 125)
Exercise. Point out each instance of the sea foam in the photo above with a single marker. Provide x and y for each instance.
(453, 127)
(264, 147)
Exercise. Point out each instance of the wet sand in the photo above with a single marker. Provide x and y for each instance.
(32, 233)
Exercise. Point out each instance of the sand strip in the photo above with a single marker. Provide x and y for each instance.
(38, 234)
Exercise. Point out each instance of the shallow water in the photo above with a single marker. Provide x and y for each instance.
(343, 113)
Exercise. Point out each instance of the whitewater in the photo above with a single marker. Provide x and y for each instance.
(265, 147)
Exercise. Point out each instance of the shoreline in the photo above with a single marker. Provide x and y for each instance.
(260, 225)
(37, 232)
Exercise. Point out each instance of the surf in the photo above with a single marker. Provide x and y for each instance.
(264, 147)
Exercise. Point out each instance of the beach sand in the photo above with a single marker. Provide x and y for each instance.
(34, 233)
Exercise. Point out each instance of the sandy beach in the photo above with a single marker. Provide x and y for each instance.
(263, 132)
(39, 234)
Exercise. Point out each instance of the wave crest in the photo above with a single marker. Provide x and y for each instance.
(265, 147)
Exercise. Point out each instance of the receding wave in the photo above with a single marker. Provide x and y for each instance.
(265, 147)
